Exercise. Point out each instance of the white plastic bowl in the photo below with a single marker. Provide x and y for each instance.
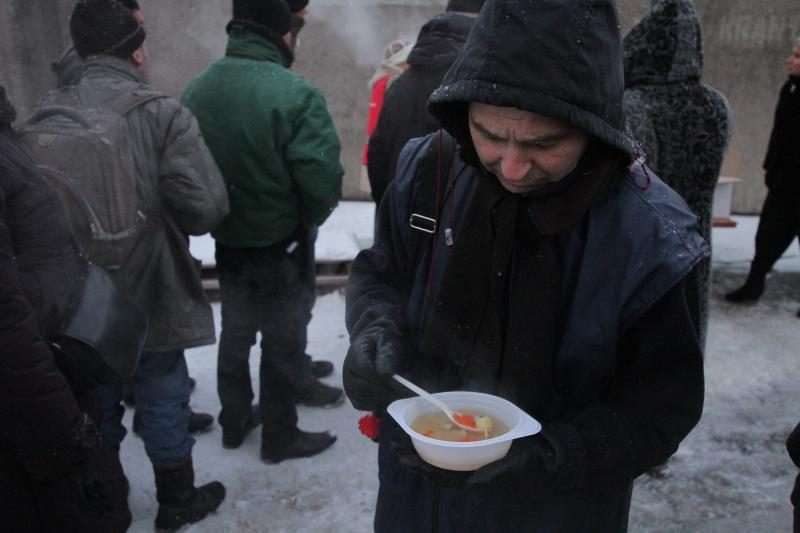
(464, 456)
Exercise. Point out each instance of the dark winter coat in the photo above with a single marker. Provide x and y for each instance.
(42, 454)
(782, 163)
(681, 125)
(614, 372)
(37, 404)
(404, 114)
(181, 183)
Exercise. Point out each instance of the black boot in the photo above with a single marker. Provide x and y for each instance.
(321, 368)
(318, 394)
(295, 445)
(200, 422)
(179, 502)
(751, 291)
(233, 436)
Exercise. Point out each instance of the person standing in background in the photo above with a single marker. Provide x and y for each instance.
(394, 63)
(779, 224)
(57, 473)
(179, 192)
(404, 114)
(681, 125)
(68, 71)
(275, 142)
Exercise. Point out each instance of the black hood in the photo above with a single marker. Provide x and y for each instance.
(666, 46)
(440, 40)
(558, 58)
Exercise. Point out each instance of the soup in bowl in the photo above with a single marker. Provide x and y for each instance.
(471, 453)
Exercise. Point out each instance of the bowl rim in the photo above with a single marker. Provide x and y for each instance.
(525, 427)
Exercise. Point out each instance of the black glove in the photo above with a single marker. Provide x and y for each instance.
(374, 355)
(410, 459)
(63, 456)
(532, 461)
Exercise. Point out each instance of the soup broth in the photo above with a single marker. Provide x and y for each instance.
(438, 426)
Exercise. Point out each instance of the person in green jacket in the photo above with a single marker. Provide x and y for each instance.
(274, 141)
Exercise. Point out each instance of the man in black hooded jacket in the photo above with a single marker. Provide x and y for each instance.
(404, 114)
(559, 275)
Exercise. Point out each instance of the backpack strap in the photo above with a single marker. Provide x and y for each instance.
(127, 102)
(429, 192)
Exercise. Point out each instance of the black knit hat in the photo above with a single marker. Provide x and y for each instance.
(274, 14)
(105, 27)
(465, 6)
(131, 4)
(295, 6)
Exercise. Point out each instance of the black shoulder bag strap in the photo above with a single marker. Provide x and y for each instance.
(429, 193)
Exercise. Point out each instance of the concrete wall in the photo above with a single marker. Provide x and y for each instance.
(746, 42)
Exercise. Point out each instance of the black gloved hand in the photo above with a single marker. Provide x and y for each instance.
(374, 355)
(63, 456)
(533, 461)
(410, 459)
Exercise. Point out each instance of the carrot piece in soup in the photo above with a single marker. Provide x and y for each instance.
(464, 420)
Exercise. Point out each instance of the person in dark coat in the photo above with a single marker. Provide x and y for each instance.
(405, 114)
(57, 474)
(780, 216)
(681, 125)
(561, 275)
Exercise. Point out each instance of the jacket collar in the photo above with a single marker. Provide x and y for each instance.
(109, 66)
(252, 41)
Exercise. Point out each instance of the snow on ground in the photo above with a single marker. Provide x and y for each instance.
(730, 474)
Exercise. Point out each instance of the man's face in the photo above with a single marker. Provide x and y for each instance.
(525, 151)
(137, 14)
(793, 62)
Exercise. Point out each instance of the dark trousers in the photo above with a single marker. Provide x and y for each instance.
(264, 290)
(778, 226)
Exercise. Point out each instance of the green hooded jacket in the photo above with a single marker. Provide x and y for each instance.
(273, 139)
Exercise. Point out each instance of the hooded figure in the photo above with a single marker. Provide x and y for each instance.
(681, 125)
(404, 114)
(552, 272)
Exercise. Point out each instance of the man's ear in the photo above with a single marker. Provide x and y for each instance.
(138, 57)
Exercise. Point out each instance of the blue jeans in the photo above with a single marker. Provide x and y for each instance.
(161, 387)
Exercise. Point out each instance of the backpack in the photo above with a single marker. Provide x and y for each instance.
(87, 154)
